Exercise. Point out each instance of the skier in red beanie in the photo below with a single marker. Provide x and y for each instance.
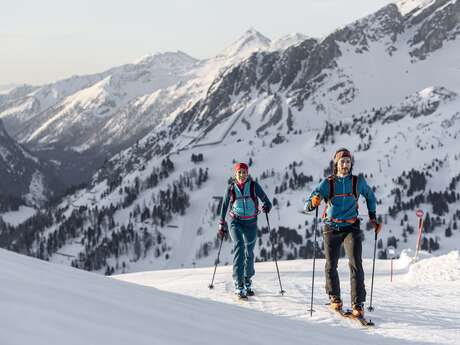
(242, 196)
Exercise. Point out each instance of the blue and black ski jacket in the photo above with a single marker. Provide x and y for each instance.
(341, 196)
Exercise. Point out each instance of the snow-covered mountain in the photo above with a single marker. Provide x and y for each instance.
(385, 86)
(287, 41)
(251, 41)
(6, 88)
(81, 116)
(23, 177)
(25, 102)
(92, 117)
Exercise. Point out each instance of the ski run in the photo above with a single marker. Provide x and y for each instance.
(46, 304)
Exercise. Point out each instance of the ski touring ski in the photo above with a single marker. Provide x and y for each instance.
(349, 315)
(250, 293)
(243, 295)
(241, 298)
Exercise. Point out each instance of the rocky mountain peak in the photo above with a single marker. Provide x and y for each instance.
(249, 42)
(386, 22)
(436, 23)
(287, 41)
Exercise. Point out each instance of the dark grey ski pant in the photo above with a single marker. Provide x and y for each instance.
(351, 237)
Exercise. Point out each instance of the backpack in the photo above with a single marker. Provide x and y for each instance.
(252, 192)
(354, 188)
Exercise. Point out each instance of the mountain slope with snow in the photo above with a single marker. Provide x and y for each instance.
(89, 118)
(23, 177)
(287, 41)
(84, 111)
(365, 87)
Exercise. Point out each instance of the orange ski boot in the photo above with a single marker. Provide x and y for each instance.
(336, 303)
(358, 310)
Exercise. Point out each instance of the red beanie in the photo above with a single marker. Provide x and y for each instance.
(239, 166)
(343, 152)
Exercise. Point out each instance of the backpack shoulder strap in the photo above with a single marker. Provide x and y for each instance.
(252, 191)
(354, 186)
(231, 190)
(331, 194)
(330, 179)
(354, 183)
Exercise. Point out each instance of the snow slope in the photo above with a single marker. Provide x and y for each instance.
(19, 216)
(420, 305)
(48, 304)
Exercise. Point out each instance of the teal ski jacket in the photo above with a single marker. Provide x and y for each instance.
(244, 208)
(342, 209)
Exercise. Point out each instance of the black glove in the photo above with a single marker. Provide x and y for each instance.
(373, 219)
(266, 208)
(223, 229)
(372, 216)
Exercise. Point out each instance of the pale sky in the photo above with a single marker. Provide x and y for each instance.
(42, 41)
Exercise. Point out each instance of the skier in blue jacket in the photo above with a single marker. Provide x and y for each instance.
(340, 192)
(242, 196)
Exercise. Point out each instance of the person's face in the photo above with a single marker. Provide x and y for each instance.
(344, 166)
(241, 175)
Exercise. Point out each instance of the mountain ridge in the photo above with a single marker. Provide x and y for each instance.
(285, 112)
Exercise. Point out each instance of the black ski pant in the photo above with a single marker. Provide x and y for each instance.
(351, 237)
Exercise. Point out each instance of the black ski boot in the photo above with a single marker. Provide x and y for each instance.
(240, 291)
(248, 287)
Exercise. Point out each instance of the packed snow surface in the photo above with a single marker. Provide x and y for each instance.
(47, 304)
(419, 306)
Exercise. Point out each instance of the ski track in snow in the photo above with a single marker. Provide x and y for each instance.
(421, 304)
(49, 304)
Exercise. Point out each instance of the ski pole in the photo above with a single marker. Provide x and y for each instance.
(282, 292)
(211, 286)
(314, 262)
(371, 308)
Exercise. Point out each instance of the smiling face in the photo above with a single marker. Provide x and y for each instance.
(241, 175)
(343, 166)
